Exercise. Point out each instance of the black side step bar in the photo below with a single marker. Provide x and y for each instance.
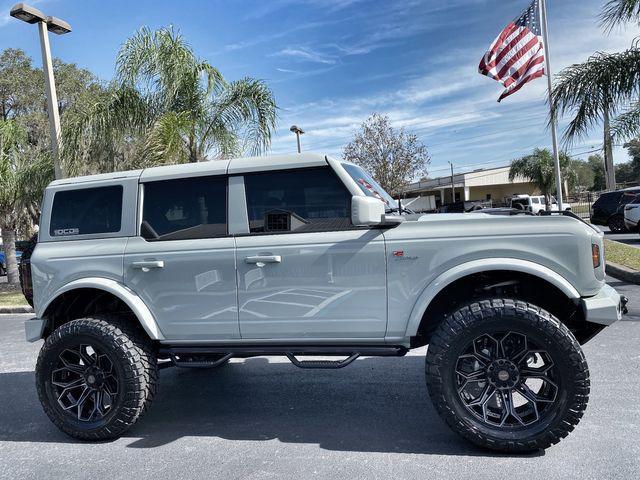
(210, 357)
(322, 363)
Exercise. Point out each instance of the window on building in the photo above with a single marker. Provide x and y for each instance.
(488, 196)
(86, 210)
(184, 209)
(308, 200)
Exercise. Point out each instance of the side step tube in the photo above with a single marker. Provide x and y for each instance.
(210, 357)
(322, 363)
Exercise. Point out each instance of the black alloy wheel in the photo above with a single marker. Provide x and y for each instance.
(506, 380)
(85, 382)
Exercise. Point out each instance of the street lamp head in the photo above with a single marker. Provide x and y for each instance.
(27, 13)
(57, 26)
(296, 129)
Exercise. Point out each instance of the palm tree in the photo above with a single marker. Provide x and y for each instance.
(606, 84)
(538, 168)
(616, 12)
(24, 173)
(168, 106)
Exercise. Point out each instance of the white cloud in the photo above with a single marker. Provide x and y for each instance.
(306, 54)
(450, 105)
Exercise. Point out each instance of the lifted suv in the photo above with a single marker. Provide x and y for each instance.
(304, 255)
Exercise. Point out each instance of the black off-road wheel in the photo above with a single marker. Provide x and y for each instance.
(96, 376)
(507, 375)
(616, 224)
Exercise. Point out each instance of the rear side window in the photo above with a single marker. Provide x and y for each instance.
(185, 209)
(627, 197)
(309, 200)
(86, 211)
(607, 200)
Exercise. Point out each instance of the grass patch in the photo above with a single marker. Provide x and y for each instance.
(622, 254)
(12, 299)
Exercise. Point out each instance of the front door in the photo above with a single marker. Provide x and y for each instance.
(183, 263)
(304, 271)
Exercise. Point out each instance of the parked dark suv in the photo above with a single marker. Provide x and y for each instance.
(609, 208)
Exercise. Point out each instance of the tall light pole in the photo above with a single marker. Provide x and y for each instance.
(453, 185)
(31, 15)
(298, 131)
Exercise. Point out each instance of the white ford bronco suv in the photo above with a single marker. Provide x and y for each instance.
(307, 256)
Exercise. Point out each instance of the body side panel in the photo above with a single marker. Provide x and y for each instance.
(134, 302)
(424, 256)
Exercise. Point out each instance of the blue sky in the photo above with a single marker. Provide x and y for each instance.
(331, 63)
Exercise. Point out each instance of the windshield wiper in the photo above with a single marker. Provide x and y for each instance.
(397, 210)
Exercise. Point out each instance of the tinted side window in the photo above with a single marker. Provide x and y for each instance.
(309, 200)
(627, 197)
(607, 200)
(185, 208)
(85, 211)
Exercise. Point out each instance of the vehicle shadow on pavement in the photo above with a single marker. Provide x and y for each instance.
(374, 405)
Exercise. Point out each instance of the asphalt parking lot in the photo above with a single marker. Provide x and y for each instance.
(264, 418)
(630, 238)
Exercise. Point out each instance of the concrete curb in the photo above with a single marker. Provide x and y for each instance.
(623, 273)
(18, 309)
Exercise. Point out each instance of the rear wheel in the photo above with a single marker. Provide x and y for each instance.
(507, 375)
(616, 224)
(96, 377)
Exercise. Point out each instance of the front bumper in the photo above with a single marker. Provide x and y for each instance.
(34, 328)
(606, 307)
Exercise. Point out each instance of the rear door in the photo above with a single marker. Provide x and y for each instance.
(303, 270)
(182, 263)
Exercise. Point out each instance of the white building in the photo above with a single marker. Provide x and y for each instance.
(491, 184)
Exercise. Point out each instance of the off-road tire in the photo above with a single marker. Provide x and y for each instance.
(616, 224)
(134, 358)
(462, 326)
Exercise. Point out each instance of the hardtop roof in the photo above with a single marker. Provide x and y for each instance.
(213, 167)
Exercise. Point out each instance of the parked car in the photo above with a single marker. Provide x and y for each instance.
(534, 203)
(305, 255)
(632, 215)
(506, 211)
(608, 209)
(3, 260)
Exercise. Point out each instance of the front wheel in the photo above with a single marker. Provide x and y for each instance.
(507, 375)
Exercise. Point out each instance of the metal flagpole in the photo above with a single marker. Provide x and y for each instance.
(554, 134)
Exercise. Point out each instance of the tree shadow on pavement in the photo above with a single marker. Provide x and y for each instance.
(374, 405)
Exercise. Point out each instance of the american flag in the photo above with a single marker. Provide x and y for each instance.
(516, 56)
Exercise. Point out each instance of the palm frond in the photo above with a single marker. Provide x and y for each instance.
(249, 104)
(167, 142)
(616, 12)
(627, 125)
(588, 89)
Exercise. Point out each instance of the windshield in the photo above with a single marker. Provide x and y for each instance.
(368, 185)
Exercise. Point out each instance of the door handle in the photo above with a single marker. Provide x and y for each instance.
(147, 265)
(262, 260)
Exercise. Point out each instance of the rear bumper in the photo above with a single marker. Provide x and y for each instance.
(605, 308)
(33, 329)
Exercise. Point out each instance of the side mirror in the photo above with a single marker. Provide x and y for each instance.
(367, 211)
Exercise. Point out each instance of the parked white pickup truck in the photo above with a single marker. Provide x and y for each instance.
(304, 255)
(535, 204)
